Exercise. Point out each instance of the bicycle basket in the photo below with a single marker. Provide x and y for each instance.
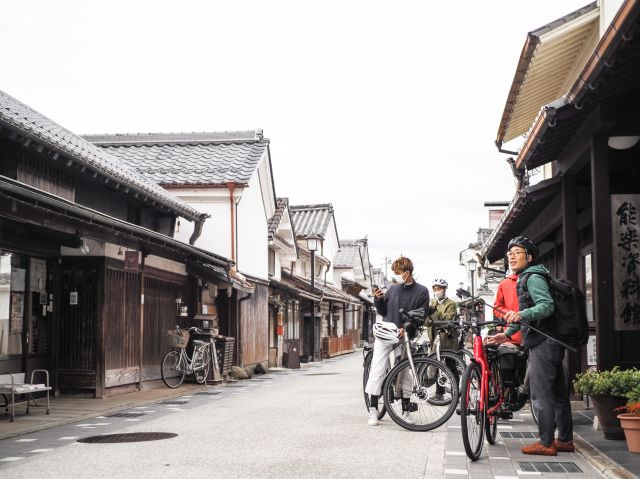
(177, 340)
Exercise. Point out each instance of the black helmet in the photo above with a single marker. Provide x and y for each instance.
(525, 243)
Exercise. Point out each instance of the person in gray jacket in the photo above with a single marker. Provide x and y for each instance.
(407, 295)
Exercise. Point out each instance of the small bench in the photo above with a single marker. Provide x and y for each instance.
(13, 384)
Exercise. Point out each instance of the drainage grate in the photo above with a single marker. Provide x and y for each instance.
(126, 414)
(519, 435)
(129, 437)
(561, 467)
(207, 393)
(175, 401)
(321, 374)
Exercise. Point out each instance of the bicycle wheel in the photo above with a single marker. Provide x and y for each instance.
(365, 377)
(495, 384)
(472, 418)
(454, 362)
(201, 362)
(413, 407)
(172, 369)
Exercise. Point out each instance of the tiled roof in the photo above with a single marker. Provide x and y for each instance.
(274, 221)
(311, 219)
(188, 158)
(18, 116)
(348, 255)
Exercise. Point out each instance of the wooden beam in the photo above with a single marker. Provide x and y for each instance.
(569, 228)
(607, 341)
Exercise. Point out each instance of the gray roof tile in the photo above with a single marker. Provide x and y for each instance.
(188, 158)
(311, 219)
(18, 116)
(274, 221)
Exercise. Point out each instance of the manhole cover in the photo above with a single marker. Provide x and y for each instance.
(519, 435)
(175, 401)
(126, 414)
(561, 467)
(129, 437)
(321, 374)
(207, 393)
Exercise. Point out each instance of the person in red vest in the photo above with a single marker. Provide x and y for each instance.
(509, 340)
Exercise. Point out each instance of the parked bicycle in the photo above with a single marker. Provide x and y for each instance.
(481, 395)
(456, 361)
(410, 387)
(177, 363)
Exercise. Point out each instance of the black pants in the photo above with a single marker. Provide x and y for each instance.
(550, 392)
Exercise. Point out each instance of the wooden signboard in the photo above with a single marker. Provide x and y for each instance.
(131, 261)
(625, 230)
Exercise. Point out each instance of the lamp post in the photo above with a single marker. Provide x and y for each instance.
(472, 264)
(312, 246)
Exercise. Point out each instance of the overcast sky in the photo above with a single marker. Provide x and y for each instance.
(388, 110)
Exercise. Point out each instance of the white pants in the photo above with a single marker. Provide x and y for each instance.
(380, 363)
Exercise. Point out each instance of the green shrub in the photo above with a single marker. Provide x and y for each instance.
(609, 383)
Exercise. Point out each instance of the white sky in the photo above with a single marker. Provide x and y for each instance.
(388, 110)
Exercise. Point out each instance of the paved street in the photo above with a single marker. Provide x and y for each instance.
(301, 423)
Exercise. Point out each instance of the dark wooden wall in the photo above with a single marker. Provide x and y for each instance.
(254, 327)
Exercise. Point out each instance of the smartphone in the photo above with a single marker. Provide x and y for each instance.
(374, 287)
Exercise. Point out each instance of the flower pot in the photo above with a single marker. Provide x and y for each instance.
(607, 417)
(631, 425)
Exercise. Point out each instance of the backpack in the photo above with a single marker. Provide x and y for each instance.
(570, 310)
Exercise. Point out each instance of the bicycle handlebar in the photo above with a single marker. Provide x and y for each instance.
(192, 329)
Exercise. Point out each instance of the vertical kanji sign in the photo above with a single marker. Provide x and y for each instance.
(626, 260)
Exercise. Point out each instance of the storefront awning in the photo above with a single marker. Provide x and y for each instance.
(551, 59)
(525, 206)
(20, 193)
(612, 69)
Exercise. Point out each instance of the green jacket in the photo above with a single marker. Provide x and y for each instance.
(536, 308)
(445, 311)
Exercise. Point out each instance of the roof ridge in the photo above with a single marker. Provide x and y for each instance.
(317, 206)
(203, 137)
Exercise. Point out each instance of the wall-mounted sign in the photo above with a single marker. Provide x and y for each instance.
(73, 298)
(625, 229)
(131, 261)
(592, 353)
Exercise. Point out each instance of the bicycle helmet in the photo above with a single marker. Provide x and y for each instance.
(440, 282)
(525, 243)
(386, 332)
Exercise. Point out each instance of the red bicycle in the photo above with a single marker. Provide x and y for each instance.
(481, 391)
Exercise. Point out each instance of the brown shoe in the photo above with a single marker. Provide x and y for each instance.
(539, 449)
(564, 446)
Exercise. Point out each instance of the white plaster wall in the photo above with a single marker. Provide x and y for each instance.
(216, 231)
(252, 255)
(608, 10)
(330, 247)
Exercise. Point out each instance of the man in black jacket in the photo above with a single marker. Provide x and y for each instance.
(407, 295)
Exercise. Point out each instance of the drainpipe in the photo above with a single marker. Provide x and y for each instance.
(239, 323)
(141, 324)
(197, 229)
(232, 186)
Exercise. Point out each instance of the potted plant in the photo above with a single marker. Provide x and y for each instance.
(608, 390)
(630, 419)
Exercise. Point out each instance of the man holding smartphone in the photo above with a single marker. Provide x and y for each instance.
(404, 294)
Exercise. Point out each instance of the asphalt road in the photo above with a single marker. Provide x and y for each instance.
(308, 423)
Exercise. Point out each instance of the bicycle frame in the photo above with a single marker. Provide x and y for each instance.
(480, 357)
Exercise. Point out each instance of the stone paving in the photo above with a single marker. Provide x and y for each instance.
(290, 423)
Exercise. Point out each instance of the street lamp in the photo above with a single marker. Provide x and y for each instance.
(473, 265)
(312, 246)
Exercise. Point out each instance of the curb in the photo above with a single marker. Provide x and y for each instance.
(602, 463)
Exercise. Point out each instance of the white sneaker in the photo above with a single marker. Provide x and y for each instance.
(408, 417)
(373, 417)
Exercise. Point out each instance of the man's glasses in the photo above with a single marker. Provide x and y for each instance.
(515, 253)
